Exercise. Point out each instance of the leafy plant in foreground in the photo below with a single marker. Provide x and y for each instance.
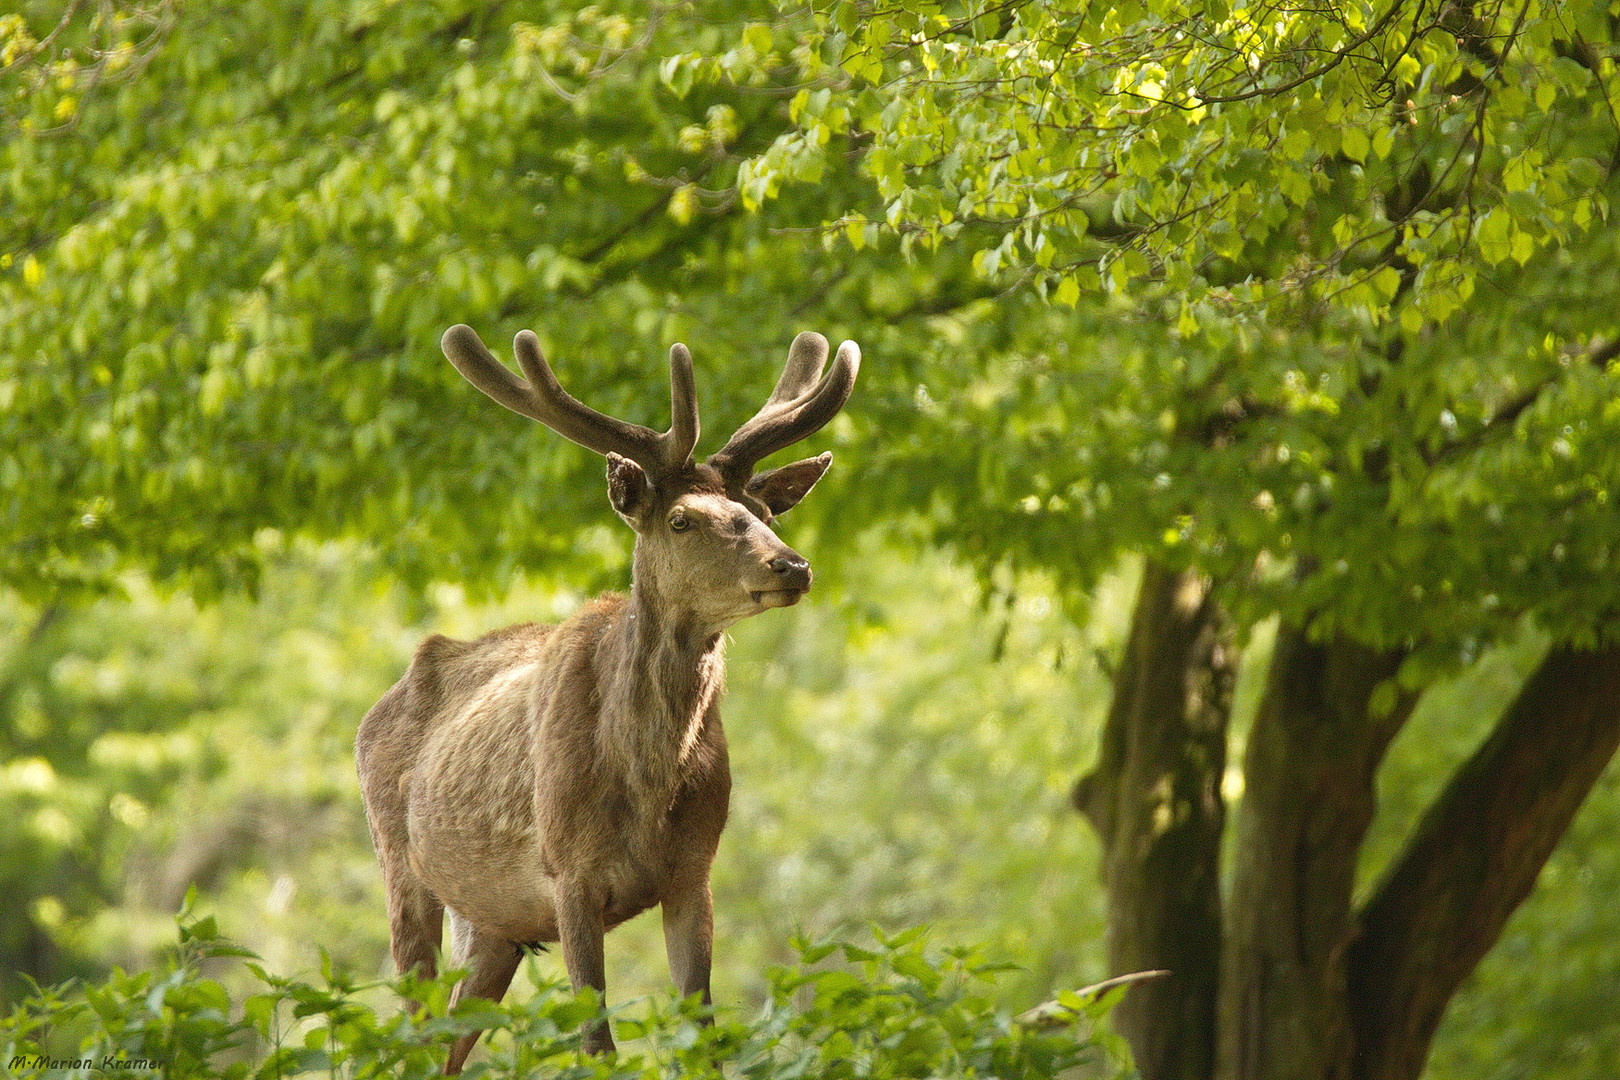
(894, 1010)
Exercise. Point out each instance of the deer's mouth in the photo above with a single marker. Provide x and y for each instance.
(772, 598)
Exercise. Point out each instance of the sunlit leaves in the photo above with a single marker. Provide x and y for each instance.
(223, 285)
(223, 318)
(1291, 149)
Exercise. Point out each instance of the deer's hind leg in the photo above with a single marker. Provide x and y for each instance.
(415, 926)
(415, 916)
(490, 963)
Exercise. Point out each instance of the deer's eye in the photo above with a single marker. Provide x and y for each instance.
(679, 523)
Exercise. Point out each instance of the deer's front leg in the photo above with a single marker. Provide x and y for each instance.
(689, 939)
(579, 926)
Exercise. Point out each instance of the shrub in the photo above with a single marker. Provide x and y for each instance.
(896, 1009)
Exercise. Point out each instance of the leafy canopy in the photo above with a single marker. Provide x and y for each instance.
(1370, 157)
(1342, 285)
(225, 281)
(1345, 282)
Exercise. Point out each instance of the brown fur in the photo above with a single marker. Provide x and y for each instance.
(546, 783)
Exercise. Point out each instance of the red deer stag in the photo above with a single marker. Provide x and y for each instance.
(546, 783)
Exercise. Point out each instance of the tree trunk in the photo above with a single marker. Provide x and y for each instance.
(1476, 855)
(1308, 800)
(1154, 799)
(1287, 980)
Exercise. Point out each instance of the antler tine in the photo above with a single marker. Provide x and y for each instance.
(786, 420)
(572, 420)
(806, 357)
(684, 427)
(542, 398)
(466, 350)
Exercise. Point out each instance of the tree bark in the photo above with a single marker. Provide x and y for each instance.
(1286, 980)
(1308, 800)
(1154, 798)
(1475, 857)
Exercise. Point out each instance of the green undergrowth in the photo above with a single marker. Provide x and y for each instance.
(896, 1008)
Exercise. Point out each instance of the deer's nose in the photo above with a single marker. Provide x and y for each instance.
(792, 571)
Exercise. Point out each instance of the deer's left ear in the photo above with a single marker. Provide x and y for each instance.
(781, 489)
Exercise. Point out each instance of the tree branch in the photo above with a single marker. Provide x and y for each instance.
(1476, 855)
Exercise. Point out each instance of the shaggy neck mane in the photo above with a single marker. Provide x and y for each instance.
(660, 677)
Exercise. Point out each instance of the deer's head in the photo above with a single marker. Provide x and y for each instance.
(703, 529)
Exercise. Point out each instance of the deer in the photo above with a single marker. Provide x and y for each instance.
(545, 783)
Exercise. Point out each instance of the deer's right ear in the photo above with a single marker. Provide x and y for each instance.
(628, 489)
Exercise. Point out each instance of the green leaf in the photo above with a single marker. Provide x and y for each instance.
(1387, 281)
(676, 73)
(758, 37)
(1355, 144)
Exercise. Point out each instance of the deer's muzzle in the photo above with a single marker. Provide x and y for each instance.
(793, 578)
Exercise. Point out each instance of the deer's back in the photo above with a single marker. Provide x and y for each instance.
(446, 677)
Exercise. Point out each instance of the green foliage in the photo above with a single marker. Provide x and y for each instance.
(893, 1010)
(1348, 337)
(149, 744)
(196, 349)
(1377, 157)
(1307, 366)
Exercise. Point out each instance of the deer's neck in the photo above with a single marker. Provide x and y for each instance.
(666, 674)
